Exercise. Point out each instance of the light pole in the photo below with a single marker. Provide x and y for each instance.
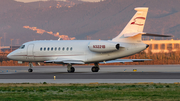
(11, 44)
(0, 43)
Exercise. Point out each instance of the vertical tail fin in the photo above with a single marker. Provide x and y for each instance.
(135, 25)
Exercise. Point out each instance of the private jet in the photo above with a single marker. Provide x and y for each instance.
(71, 52)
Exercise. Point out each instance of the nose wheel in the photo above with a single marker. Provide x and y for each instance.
(30, 67)
(30, 70)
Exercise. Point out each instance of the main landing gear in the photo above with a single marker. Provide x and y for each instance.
(70, 69)
(95, 68)
(30, 67)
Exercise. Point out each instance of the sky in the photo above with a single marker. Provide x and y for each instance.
(27, 1)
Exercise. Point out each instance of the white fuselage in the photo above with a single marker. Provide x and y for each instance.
(39, 51)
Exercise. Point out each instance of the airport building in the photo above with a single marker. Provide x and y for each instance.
(8, 48)
(162, 46)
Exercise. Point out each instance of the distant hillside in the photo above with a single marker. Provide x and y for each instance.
(101, 20)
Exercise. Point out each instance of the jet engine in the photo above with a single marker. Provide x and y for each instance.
(103, 46)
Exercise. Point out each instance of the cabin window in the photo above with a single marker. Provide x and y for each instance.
(51, 48)
(48, 48)
(59, 48)
(22, 47)
(67, 48)
(41, 49)
(55, 48)
(63, 48)
(44, 48)
(71, 48)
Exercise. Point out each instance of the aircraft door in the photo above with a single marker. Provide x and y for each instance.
(30, 53)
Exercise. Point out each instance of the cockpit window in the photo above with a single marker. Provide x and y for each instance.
(22, 47)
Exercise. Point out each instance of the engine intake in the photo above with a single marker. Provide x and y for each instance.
(103, 46)
(117, 46)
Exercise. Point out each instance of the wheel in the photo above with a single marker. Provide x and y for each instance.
(72, 70)
(97, 69)
(30, 70)
(94, 69)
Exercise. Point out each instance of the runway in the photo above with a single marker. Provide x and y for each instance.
(79, 75)
(83, 74)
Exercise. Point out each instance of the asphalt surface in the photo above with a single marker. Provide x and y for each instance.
(83, 74)
(114, 75)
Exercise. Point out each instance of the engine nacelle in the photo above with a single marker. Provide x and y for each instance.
(103, 46)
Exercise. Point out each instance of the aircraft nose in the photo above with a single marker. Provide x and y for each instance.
(13, 55)
(9, 56)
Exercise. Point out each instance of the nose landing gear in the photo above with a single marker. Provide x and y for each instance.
(30, 67)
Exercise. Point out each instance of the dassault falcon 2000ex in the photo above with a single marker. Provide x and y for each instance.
(71, 52)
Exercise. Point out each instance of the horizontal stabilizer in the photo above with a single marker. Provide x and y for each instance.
(145, 34)
(126, 60)
(156, 35)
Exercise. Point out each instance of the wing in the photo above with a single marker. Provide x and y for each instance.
(126, 60)
(65, 61)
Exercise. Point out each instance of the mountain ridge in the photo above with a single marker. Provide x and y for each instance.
(100, 20)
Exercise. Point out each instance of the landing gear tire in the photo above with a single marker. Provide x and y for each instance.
(94, 69)
(72, 70)
(30, 70)
(30, 67)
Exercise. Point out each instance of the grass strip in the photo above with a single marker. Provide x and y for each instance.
(86, 92)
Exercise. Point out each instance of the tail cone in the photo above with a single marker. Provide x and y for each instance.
(147, 46)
